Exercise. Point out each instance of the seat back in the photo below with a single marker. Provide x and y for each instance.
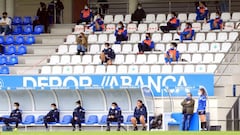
(29, 119)
(17, 30)
(92, 119)
(17, 20)
(30, 40)
(40, 119)
(27, 29)
(3, 60)
(103, 119)
(38, 29)
(27, 20)
(9, 40)
(13, 60)
(19, 40)
(4, 70)
(66, 119)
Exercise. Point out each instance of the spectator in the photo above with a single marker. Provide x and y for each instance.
(172, 54)
(36, 21)
(201, 11)
(139, 14)
(146, 45)
(78, 116)
(42, 14)
(52, 115)
(82, 43)
(5, 24)
(217, 23)
(188, 107)
(121, 33)
(15, 116)
(107, 55)
(140, 116)
(103, 7)
(187, 34)
(86, 15)
(55, 6)
(202, 100)
(172, 24)
(114, 115)
(98, 24)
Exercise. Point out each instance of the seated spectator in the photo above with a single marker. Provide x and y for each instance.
(114, 115)
(107, 55)
(172, 24)
(139, 14)
(201, 11)
(98, 24)
(217, 23)
(187, 33)
(172, 54)
(52, 116)
(42, 14)
(78, 116)
(121, 33)
(15, 116)
(139, 116)
(82, 44)
(146, 45)
(5, 24)
(86, 15)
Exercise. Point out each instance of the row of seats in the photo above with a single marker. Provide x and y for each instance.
(27, 29)
(4, 70)
(183, 17)
(154, 27)
(18, 20)
(158, 37)
(131, 69)
(8, 60)
(133, 48)
(18, 40)
(16, 50)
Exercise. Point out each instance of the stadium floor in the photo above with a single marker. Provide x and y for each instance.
(122, 133)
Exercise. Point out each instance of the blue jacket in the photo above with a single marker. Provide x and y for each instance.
(84, 14)
(123, 31)
(140, 111)
(17, 114)
(202, 100)
(177, 53)
(218, 21)
(54, 114)
(203, 15)
(116, 112)
(109, 52)
(79, 112)
(149, 42)
(99, 21)
(174, 22)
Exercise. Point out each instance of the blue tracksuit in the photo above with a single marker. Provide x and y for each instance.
(185, 33)
(100, 23)
(121, 37)
(202, 100)
(52, 116)
(117, 113)
(15, 116)
(78, 112)
(140, 111)
(219, 23)
(202, 13)
(172, 52)
(109, 52)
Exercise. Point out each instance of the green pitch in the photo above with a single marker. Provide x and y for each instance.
(121, 133)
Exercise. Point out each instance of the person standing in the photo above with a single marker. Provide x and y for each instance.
(139, 116)
(43, 16)
(114, 115)
(188, 107)
(78, 116)
(55, 6)
(202, 102)
(139, 14)
(52, 116)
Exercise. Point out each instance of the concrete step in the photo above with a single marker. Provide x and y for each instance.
(65, 31)
(71, 25)
(53, 40)
(25, 70)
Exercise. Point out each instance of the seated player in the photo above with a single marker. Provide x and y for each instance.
(121, 33)
(217, 23)
(15, 116)
(78, 116)
(52, 116)
(140, 116)
(86, 15)
(187, 34)
(107, 55)
(5, 24)
(98, 24)
(202, 11)
(172, 54)
(146, 45)
(114, 115)
(172, 24)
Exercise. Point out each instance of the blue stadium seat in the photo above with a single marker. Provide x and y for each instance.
(27, 30)
(178, 120)
(17, 20)
(128, 121)
(10, 50)
(19, 40)
(17, 30)
(29, 119)
(27, 20)
(66, 119)
(21, 50)
(92, 119)
(3, 60)
(4, 70)
(39, 119)
(1, 39)
(9, 40)
(30, 40)
(38, 29)
(12, 60)
(103, 119)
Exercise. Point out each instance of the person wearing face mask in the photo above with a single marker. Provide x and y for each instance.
(5, 24)
(139, 14)
(86, 15)
(120, 33)
(114, 115)
(202, 102)
(78, 116)
(139, 116)
(52, 116)
(187, 33)
(217, 23)
(188, 107)
(172, 54)
(172, 24)
(201, 11)
(107, 55)
(98, 24)
(146, 45)
(15, 116)
(43, 16)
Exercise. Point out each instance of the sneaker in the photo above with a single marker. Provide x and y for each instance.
(144, 129)
(135, 129)
(15, 129)
(108, 129)
(118, 129)
(79, 129)
(73, 129)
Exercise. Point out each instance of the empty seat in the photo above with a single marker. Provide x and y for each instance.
(62, 49)
(78, 70)
(28, 29)
(133, 69)
(76, 59)
(226, 47)
(96, 59)
(38, 29)
(132, 28)
(12, 60)
(218, 57)
(17, 20)
(108, 19)
(92, 119)
(89, 69)
(152, 59)
(213, 15)
(4, 70)
(110, 28)
(141, 59)
(182, 47)
(186, 57)
(215, 47)
(182, 17)
(203, 47)
(206, 27)
(30, 40)
(111, 69)
(21, 50)
(72, 49)
(155, 69)
(161, 18)
(150, 18)
(192, 47)
(40, 119)
(71, 39)
(2, 39)
(225, 16)
(135, 48)
(192, 17)
(102, 38)
(100, 69)
(211, 37)
(153, 27)
(200, 69)
(166, 69)
(92, 38)
(161, 59)
(144, 69)
(160, 47)
(10, 50)
(65, 59)
(67, 119)
(177, 69)
(196, 58)
(19, 40)
(3, 60)
(86, 59)
(189, 69)
(57, 70)
(196, 26)
(232, 36)
(222, 36)
(94, 49)
(236, 16)
(111, 38)
(211, 68)
(229, 26)
(200, 37)
(67, 70)
(207, 58)
(142, 28)
(118, 18)
(16, 30)
(135, 38)
(156, 37)
(9, 40)
(127, 18)
(46, 70)
(167, 37)
(130, 59)
(122, 69)
(54, 59)
(78, 29)
(117, 48)
(127, 48)
(29, 119)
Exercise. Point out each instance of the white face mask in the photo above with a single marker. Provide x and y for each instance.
(113, 107)
(85, 7)
(53, 108)
(199, 93)
(119, 26)
(139, 7)
(77, 105)
(98, 17)
(217, 16)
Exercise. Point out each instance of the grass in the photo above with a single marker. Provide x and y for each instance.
(121, 133)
